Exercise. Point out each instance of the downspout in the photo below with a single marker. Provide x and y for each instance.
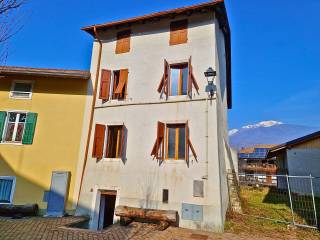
(92, 109)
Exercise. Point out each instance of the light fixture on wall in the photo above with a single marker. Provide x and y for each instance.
(210, 75)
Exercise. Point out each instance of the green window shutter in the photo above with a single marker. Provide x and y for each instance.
(29, 128)
(2, 122)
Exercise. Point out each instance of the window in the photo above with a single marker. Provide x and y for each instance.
(7, 186)
(17, 127)
(178, 79)
(21, 90)
(179, 32)
(113, 84)
(115, 144)
(176, 141)
(172, 142)
(123, 42)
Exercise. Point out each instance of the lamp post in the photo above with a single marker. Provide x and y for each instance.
(210, 75)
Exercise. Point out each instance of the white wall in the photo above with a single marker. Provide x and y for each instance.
(139, 179)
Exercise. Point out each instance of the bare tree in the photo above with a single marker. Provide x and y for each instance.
(9, 23)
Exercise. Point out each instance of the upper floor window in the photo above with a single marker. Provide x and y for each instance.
(179, 32)
(7, 186)
(113, 84)
(17, 127)
(123, 42)
(21, 90)
(177, 79)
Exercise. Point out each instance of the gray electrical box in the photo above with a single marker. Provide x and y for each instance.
(192, 212)
(198, 188)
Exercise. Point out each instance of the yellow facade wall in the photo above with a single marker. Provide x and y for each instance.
(60, 104)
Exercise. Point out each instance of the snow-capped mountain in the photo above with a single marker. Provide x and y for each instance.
(267, 132)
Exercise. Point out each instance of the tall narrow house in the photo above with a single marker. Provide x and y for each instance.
(158, 139)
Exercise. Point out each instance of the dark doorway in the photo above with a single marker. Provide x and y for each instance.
(107, 206)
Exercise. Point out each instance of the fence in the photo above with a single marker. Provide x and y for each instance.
(283, 198)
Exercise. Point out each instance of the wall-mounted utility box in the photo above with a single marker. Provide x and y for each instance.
(192, 212)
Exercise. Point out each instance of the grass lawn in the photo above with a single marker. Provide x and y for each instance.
(272, 204)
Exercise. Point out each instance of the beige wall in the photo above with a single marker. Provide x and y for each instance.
(60, 104)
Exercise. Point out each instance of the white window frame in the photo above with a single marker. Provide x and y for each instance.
(11, 94)
(13, 188)
(3, 141)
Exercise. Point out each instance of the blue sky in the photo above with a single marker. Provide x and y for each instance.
(275, 49)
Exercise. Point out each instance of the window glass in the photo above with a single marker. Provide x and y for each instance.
(5, 190)
(175, 75)
(114, 141)
(22, 87)
(182, 142)
(15, 126)
(171, 142)
(178, 79)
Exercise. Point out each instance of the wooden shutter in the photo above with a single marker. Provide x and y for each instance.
(29, 128)
(164, 83)
(105, 84)
(156, 151)
(191, 79)
(99, 135)
(179, 32)
(3, 116)
(123, 143)
(123, 79)
(123, 42)
(189, 145)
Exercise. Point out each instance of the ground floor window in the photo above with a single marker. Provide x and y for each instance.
(176, 141)
(114, 142)
(7, 185)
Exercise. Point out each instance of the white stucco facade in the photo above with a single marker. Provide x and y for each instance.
(139, 179)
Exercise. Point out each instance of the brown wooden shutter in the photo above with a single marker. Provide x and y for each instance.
(97, 150)
(164, 83)
(189, 145)
(122, 148)
(158, 152)
(105, 84)
(179, 32)
(123, 79)
(191, 79)
(123, 42)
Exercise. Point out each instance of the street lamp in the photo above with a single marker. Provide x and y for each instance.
(210, 75)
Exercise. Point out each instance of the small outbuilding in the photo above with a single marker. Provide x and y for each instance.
(299, 157)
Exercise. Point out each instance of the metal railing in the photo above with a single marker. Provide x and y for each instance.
(282, 198)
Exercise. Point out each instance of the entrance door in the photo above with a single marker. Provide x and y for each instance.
(107, 206)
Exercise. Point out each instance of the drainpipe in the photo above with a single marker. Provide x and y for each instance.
(92, 108)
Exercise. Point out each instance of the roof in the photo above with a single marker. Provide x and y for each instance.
(251, 149)
(221, 13)
(257, 152)
(43, 72)
(279, 148)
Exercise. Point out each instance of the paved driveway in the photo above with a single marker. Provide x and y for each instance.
(57, 229)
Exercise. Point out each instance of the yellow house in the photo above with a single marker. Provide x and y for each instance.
(42, 128)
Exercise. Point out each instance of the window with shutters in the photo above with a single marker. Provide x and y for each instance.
(113, 84)
(17, 127)
(123, 42)
(114, 142)
(173, 142)
(109, 141)
(179, 32)
(178, 79)
(21, 90)
(7, 186)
